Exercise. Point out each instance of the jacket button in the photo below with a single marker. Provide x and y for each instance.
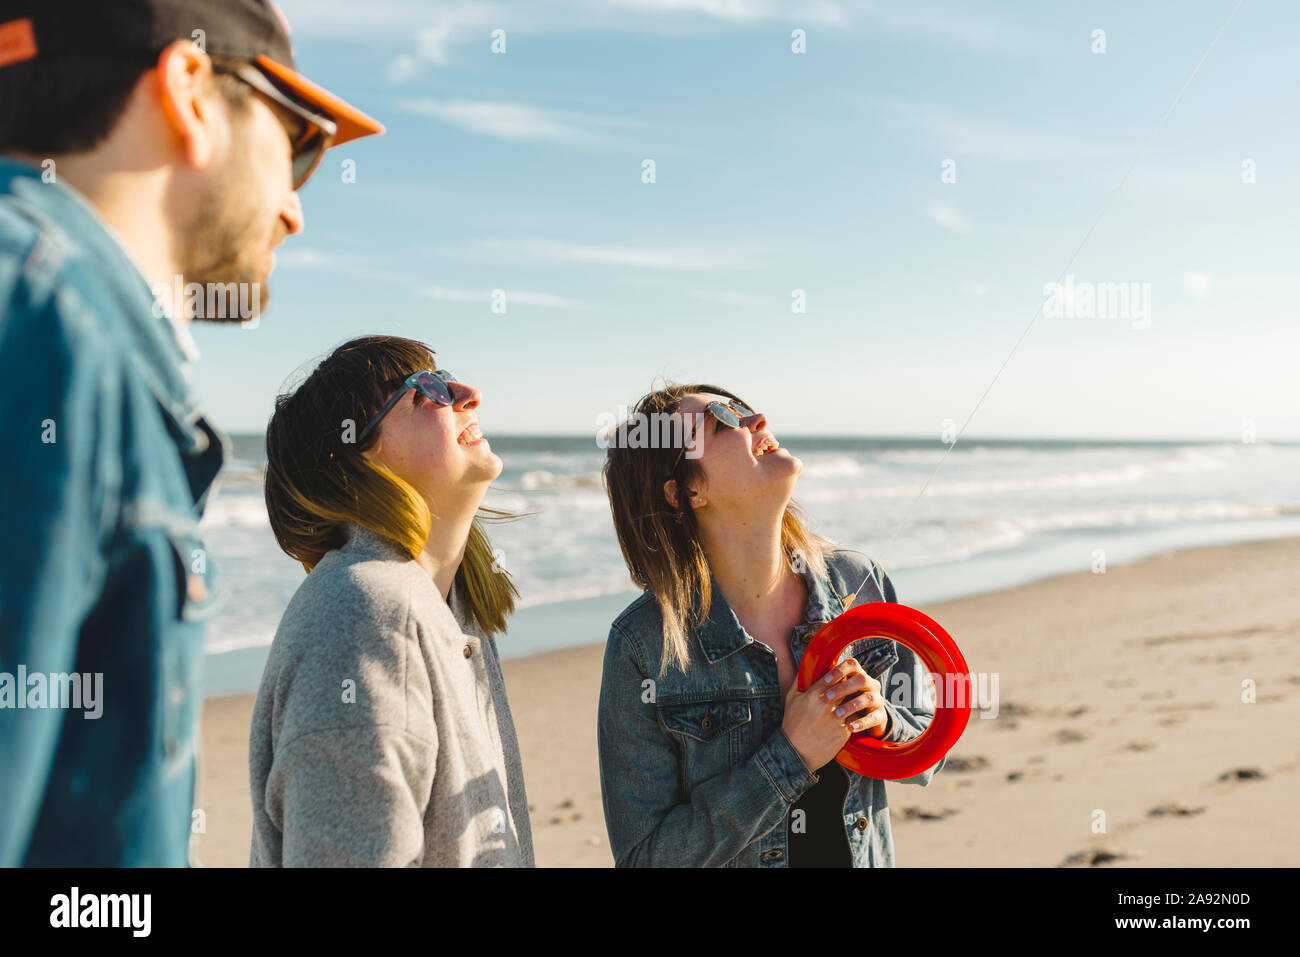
(468, 651)
(706, 724)
(861, 824)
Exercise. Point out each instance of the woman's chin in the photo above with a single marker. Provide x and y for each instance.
(482, 462)
(781, 462)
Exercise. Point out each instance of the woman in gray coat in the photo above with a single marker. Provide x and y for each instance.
(381, 734)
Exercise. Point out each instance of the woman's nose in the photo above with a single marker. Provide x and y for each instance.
(465, 396)
(756, 422)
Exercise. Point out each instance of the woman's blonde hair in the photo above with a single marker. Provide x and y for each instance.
(660, 543)
(317, 480)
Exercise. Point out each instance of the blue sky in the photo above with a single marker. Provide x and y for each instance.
(821, 171)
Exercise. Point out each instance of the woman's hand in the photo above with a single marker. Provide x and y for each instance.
(819, 721)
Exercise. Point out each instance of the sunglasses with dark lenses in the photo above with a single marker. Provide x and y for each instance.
(432, 385)
(726, 413)
(317, 134)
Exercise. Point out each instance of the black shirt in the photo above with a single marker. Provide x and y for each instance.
(822, 840)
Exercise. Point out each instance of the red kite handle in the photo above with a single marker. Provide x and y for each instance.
(889, 760)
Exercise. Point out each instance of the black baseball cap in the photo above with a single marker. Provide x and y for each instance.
(250, 30)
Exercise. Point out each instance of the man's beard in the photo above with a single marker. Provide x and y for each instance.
(223, 279)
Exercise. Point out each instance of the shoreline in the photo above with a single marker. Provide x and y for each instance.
(1120, 693)
(539, 629)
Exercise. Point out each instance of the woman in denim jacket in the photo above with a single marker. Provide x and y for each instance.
(709, 756)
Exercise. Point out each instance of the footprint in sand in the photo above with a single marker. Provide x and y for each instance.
(1070, 736)
(957, 763)
(1242, 774)
(565, 805)
(1139, 746)
(1091, 858)
(921, 814)
(1010, 709)
(1184, 706)
(1173, 810)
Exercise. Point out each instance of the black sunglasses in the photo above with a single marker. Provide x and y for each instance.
(318, 131)
(727, 413)
(432, 385)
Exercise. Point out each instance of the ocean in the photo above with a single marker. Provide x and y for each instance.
(998, 513)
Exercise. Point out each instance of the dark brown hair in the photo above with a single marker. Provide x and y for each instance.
(317, 480)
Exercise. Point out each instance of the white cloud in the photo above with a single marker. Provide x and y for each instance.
(963, 137)
(947, 217)
(522, 297)
(344, 18)
(675, 258)
(302, 257)
(352, 265)
(959, 28)
(753, 11)
(729, 298)
(431, 43)
(471, 21)
(401, 68)
(514, 121)
(430, 47)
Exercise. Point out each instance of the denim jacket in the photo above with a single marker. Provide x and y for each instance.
(695, 768)
(105, 465)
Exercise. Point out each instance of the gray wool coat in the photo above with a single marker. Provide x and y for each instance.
(381, 735)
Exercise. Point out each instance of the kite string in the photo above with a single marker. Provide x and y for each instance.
(876, 567)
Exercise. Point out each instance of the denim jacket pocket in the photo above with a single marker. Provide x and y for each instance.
(704, 721)
(711, 736)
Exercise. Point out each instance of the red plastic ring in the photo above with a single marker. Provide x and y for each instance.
(889, 760)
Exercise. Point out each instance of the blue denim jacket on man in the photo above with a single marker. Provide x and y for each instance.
(699, 773)
(105, 460)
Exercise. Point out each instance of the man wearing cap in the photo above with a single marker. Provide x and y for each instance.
(145, 145)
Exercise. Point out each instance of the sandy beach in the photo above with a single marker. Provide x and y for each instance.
(1122, 735)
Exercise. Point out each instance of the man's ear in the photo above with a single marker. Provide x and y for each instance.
(185, 90)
